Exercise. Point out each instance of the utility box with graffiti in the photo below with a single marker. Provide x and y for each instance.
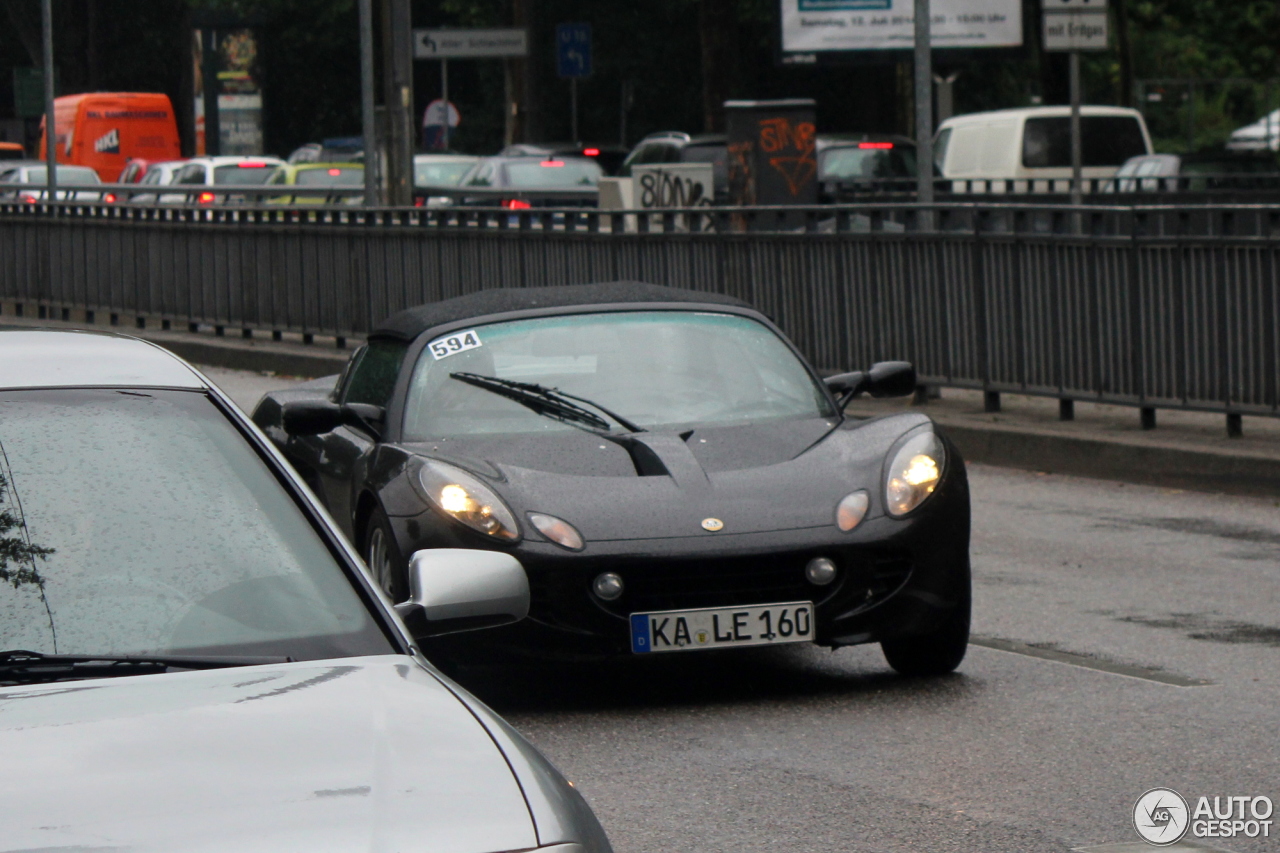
(663, 185)
(772, 159)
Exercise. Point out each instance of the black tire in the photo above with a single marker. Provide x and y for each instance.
(939, 651)
(382, 556)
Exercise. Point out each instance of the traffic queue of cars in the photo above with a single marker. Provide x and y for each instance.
(131, 138)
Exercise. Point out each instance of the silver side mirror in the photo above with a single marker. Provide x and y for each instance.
(456, 589)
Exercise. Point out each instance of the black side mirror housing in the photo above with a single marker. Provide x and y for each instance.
(310, 417)
(884, 379)
(315, 417)
(891, 379)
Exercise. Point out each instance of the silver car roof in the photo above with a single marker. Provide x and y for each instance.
(55, 358)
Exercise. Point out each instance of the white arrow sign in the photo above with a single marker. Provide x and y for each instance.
(469, 44)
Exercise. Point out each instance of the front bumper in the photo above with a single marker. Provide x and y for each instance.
(895, 577)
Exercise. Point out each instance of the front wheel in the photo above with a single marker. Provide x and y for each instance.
(382, 556)
(939, 651)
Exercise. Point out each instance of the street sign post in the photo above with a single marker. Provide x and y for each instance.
(1073, 26)
(573, 61)
(467, 44)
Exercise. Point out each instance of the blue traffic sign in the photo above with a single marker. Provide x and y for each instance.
(573, 50)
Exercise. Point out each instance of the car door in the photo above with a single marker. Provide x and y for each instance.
(341, 458)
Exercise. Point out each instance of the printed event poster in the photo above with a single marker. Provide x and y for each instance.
(816, 26)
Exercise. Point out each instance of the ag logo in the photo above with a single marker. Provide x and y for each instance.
(1161, 817)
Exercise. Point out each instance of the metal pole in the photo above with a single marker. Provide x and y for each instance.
(444, 87)
(366, 104)
(1077, 152)
(924, 113)
(573, 107)
(50, 125)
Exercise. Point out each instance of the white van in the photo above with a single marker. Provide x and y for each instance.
(1032, 147)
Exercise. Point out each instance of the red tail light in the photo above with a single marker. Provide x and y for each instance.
(205, 198)
(335, 172)
(109, 198)
(29, 199)
(252, 165)
(878, 145)
(590, 152)
(552, 163)
(516, 204)
(419, 202)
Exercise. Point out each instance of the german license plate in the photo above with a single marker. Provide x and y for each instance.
(721, 627)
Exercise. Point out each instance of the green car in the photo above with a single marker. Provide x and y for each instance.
(338, 183)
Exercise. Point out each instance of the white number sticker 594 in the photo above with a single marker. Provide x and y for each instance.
(454, 344)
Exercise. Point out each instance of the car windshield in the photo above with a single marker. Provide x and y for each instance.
(333, 176)
(142, 522)
(243, 174)
(434, 174)
(568, 173)
(860, 163)
(655, 368)
(66, 175)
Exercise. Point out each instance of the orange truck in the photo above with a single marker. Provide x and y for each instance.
(103, 130)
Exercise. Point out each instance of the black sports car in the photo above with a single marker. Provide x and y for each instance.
(670, 471)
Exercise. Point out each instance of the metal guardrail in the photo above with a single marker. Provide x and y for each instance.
(1155, 307)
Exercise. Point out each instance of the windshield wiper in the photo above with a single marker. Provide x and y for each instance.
(19, 666)
(551, 402)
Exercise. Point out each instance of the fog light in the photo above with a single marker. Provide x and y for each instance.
(820, 571)
(607, 585)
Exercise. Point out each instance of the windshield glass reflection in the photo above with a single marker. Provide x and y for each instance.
(654, 368)
(144, 523)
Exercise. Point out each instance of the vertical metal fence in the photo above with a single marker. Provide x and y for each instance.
(1152, 307)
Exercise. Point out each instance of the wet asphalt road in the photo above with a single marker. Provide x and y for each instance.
(805, 749)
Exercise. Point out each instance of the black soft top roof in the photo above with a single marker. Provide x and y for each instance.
(411, 322)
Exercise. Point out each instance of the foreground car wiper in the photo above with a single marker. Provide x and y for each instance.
(550, 402)
(19, 666)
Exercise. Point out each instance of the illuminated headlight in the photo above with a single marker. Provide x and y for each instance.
(851, 509)
(463, 497)
(914, 473)
(557, 530)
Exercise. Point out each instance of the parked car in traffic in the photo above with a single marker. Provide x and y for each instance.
(220, 172)
(855, 164)
(610, 156)
(669, 470)
(156, 175)
(328, 183)
(137, 169)
(1032, 146)
(35, 172)
(192, 657)
(338, 149)
(437, 173)
(1206, 170)
(678, 147)
(522, 182)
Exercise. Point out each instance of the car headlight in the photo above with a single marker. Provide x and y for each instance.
(462, 496)
(914, 473)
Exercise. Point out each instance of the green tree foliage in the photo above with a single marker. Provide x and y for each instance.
(17, 555)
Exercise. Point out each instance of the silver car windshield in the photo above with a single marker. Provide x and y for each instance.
(655, 368)
(143, 522)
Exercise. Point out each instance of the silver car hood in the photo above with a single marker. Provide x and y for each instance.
(360, 754)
